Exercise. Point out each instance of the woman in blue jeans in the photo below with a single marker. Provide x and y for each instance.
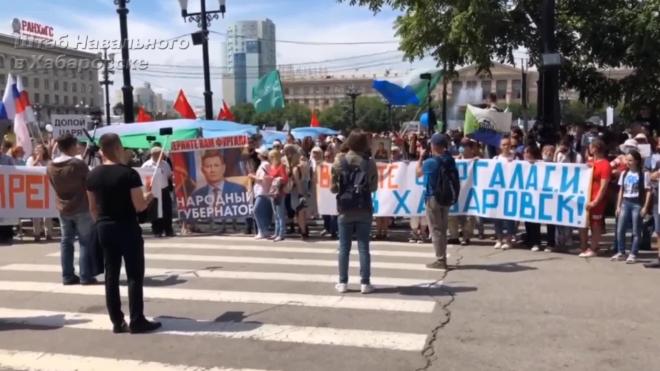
(633, 205)
(278, 174)
(263, 210)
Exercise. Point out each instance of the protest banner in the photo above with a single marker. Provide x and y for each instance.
(74, 124)
(547, 193)
(211, 178)
(26, 192)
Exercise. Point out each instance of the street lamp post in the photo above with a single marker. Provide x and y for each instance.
(127, 89)
(550, 77)
(353, 93)
(203, 19)
(107, 82)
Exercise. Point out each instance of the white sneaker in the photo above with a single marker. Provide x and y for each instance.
(259, 237)
(505, 246)
(632, 259)
(366, 289)
(498, 245)
(341, 288)
(536, 248)
(278, 239)
(618, 257)
(547, 249)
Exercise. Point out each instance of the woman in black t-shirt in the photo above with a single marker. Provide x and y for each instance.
(115, 197)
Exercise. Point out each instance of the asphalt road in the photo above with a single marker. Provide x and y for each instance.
(236, 303)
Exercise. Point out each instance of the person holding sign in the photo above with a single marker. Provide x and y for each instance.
(602, 171)
(115, 197)
(161, 225)
(632, 206)
(504, 239)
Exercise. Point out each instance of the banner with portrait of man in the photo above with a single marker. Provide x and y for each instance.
(210, 175)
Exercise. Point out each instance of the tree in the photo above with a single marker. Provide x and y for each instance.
(243, 112)
(592, 35)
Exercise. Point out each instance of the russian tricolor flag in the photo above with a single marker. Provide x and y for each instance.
(16, 106)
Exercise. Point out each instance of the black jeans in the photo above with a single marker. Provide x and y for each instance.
(533, 231)
(163, 225)
(122, 240)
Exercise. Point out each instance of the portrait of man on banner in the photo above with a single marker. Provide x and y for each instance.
(211, 182)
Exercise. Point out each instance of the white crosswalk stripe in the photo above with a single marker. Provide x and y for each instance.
(39, 361)
(282, 280)
(273, 261)
(305, 300)
(241, 275)
(234, 330)
(279, 248)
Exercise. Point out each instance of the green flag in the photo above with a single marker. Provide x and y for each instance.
(422, 88)
(267, 94)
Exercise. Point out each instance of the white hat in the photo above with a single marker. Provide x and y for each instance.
(263, 151)
(629, 143)
(341, 137)
(641, 136)
(156, 150)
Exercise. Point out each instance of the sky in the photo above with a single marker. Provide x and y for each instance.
(297, 20)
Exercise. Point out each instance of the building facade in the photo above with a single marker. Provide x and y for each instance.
(249, 52)
(58, 80)
(320, 92)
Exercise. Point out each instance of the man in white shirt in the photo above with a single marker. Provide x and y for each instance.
(162, 221)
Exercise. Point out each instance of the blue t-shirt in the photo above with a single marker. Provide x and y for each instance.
(431, 169)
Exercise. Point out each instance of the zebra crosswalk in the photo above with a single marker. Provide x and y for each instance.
(260, 306)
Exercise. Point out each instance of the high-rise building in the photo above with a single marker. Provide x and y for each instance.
(249, 52)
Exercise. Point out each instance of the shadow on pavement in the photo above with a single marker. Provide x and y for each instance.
(440, 290)
(40, 323)
(159, 281)
(507, 267)
(228, 322)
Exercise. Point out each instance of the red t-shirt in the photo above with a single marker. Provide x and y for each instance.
(601, 171)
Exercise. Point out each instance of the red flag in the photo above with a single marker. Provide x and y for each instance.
(143, 116)
(228, 114)
(221, 115)
(182, 106)
(315, 121)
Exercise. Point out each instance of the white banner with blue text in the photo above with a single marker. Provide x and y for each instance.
(542, 192)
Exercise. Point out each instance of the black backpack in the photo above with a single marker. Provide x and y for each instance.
(447, 187)
(354, 193)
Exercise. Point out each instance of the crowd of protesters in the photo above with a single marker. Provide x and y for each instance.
(282, 176)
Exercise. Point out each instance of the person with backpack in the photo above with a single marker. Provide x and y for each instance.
(633, 205)
(354, 179)
(442, 188)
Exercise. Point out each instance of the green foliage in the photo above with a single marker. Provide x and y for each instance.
(296, 114)
(592, 35)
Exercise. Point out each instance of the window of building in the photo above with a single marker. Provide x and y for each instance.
(287, 91)
(327, 90)
(46, 98)
(305, 90)
(83, 88)
(516, 89)
(26, 82)
(37, 98)
(3, 78)
(66, 100)
(456, 87)
(57, 99)
(485, 88)
(91, 102)
(76, 101)
(74, 87)
(326, 102)
(36, 83)
(91, 88)
(305, 101)
(2, 61)
(46, 84)
(56, 85)
(500, 89)
(65, 85)
(471, 85)
(91, 75)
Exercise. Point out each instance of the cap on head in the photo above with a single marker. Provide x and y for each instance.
(156, 150)
(439, 140)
